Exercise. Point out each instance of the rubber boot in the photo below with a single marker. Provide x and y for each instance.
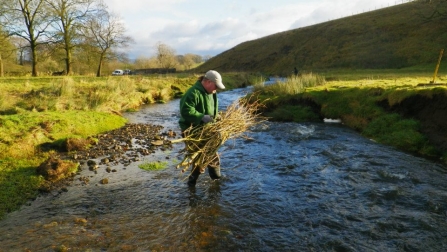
(214, 168)
(192, 179)
(214, 172)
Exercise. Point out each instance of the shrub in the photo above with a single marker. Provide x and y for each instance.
(292, 85)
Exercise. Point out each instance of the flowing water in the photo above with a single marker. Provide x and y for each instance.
(289, 187)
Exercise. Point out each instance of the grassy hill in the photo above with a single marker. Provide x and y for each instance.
(394, 37)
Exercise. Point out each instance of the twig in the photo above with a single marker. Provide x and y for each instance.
(202, 143)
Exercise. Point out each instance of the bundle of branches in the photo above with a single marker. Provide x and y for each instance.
(202, 143)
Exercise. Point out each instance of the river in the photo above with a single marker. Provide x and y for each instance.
(288, 187)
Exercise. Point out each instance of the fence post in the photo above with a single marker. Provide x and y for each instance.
(1, 66)
(437, 66)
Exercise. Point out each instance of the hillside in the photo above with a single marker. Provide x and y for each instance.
(393, 37)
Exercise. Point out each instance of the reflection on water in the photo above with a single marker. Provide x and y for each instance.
(291, 187)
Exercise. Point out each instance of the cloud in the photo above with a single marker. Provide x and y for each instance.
(212, 37)
(335, 9)
(199, 27)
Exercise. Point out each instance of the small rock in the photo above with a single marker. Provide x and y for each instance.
(51, 224)
(91, 162)
(61, 248)
(157, 142)
(80, 221)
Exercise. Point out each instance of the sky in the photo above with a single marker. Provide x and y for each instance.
(210, 27)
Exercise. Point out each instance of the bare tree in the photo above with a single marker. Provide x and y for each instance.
(206, 57)
(30, 20)
(69, 15)
(22, 47)
(105, 32)
(87, 54)
(189, 60)
(4, 49)
(165, 56)
(144, 62)
(197, 58)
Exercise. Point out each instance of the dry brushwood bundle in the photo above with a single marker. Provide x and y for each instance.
(202, 143)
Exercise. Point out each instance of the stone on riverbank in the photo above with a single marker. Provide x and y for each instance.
(54, 169)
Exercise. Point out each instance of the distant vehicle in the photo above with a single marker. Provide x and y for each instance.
(118, 72)
(127, 72)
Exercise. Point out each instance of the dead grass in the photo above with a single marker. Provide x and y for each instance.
(202, 143)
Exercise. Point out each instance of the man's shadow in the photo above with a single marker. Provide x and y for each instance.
(205, 214)
(205, 193)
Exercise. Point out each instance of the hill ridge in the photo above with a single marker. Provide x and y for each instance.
(392, 37)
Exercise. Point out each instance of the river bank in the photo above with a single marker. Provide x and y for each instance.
(411, 119)
(307, 186)
(395, 112)
(431, 112)
(40, 115)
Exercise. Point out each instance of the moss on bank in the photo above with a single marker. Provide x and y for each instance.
(384, 110)
(21, 153)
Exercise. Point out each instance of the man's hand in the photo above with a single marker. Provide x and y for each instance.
(207, 119)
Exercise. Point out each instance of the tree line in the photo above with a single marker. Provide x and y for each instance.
(68, 34)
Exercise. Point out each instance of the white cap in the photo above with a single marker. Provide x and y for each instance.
(215, 77)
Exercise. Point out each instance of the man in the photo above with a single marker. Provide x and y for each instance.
(198, 106)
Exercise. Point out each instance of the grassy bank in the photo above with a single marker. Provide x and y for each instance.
(364, 104)
(35, 112)
(23, 133)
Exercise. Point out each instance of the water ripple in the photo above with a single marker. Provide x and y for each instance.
(289, 187)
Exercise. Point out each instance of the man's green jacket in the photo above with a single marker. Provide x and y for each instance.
(195, 104)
